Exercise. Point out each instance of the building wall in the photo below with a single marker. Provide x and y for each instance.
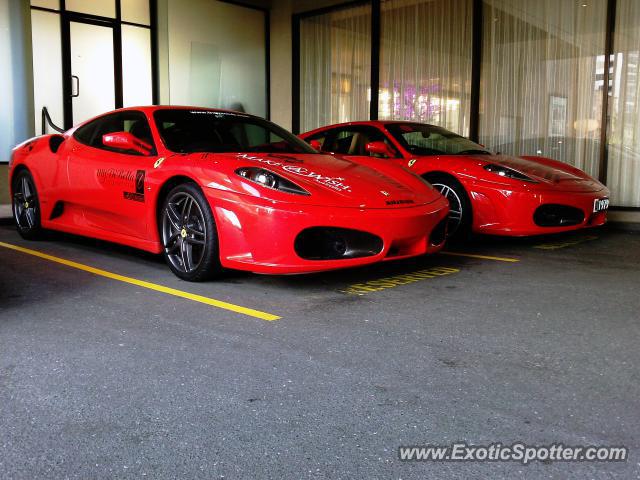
(16, 76)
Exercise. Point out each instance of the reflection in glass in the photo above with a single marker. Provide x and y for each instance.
(335, 67)
(425, 64)
(542, 79)
(214, 63)
(623, 176)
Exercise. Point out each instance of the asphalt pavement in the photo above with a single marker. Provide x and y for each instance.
(532, 341)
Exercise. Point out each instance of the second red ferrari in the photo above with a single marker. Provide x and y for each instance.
(488, 193)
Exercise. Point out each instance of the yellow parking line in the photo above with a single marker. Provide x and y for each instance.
(483, 257)
(141, 283)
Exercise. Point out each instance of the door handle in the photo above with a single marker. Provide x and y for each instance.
(77, 86)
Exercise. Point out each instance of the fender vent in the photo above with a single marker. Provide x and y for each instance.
(58, 210)
(54, 142)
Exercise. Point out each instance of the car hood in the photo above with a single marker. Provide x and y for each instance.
(333, 181)
(547, 172)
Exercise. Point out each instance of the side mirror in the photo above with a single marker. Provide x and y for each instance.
(126, 141)
(379, 148)
(316, 145)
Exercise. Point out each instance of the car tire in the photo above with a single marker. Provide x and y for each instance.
(26, 206)
(188, 234)
(460, 215)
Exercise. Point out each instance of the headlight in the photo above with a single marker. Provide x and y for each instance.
(270, 180)
(507, 172)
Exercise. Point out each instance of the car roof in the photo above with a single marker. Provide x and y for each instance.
(150, 109)
(154, 108)
(375, 123)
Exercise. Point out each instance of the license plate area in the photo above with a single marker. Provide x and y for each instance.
(600, 205)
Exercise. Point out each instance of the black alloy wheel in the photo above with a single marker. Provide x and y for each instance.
(460, 216)
(25, 205)
(189, 234)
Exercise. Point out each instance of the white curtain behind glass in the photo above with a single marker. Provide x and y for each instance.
(425, 64)
(623, 176)
(335, 67)
(541, 88)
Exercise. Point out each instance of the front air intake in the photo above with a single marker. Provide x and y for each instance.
(331, 243)
(552, 215)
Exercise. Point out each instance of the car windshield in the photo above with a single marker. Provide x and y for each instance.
(188, 131)
(420, 139)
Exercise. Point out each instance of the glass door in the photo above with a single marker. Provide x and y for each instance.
(92, 70)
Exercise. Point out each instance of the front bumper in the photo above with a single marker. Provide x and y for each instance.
(259, 235)
(499, 211)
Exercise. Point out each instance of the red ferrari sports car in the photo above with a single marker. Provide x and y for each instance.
(212, 188)
(488, 193)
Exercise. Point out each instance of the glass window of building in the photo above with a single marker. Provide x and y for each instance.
(623, 172)
(542, 79)
(335, 67)
(212, 62)
(425, 62)
(103, 8)
(87, 59)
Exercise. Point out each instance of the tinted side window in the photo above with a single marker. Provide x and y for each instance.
(320, 137)
(130, 121)
(353, 140)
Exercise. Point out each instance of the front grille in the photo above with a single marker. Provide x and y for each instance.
(552, 215)
(332, 243)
